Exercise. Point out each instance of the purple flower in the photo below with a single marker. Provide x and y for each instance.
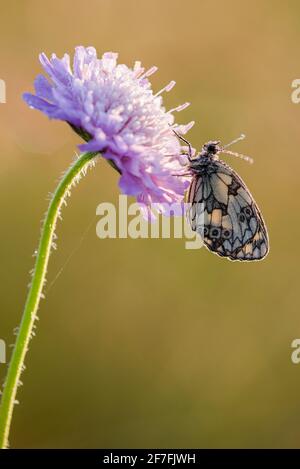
(115, 110)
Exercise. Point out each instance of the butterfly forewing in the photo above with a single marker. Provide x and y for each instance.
(224, 213)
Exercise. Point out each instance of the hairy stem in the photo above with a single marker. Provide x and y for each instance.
(25, 332)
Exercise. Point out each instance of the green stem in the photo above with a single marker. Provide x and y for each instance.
(35, 292)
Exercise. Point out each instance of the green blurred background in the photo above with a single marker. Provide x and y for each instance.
(142, 343)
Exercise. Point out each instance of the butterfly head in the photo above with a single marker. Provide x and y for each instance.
(210, 151)
(211, 148)
(206, 156)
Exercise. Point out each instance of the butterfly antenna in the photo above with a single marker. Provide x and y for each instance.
(233, 153)
(238, 155)
(241, 137)
(187, 142)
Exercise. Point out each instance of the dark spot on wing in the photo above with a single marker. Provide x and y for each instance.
(233, 187)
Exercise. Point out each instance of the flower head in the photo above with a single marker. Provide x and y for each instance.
(115, 110)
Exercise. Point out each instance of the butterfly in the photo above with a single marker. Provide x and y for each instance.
(221, 208)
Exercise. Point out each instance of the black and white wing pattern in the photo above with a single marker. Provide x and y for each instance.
(224, 213)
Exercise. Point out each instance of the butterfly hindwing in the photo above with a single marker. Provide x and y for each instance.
(223, 211)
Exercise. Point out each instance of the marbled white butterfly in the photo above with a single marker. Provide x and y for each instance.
(221, 207)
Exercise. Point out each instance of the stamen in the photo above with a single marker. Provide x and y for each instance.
(149, 72)
(137, 65)
(179, 108)
(138, 69)
(182, 129)
(167, 88)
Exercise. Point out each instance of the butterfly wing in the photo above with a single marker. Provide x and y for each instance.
(223, 211)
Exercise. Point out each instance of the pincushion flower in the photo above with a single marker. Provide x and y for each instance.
(114, 108)
(116, 112)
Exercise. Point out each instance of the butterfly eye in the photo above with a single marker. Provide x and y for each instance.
(211, 148)
(226, 234)
(215, 233)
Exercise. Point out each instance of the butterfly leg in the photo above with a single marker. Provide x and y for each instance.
(182, 174)
(189, 154)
